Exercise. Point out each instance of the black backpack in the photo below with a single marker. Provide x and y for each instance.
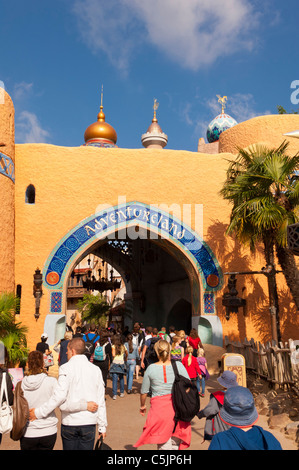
(90, 345)
(150, 354)
(185, 397)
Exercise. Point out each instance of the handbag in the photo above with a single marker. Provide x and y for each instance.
(20, 414)
(48, 360)
(100, 445)
(6, 413)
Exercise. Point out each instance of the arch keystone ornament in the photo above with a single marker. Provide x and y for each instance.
(107, 222)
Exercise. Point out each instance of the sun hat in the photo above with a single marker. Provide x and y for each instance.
(238, 407)
(228, 379)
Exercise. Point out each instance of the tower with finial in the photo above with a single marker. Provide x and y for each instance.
(7, 192)
(220, 123)
(100, 133)
(154, 137)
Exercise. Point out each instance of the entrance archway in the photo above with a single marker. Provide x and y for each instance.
(139, 222)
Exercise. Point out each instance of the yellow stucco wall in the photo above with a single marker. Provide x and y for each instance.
(70, 184)
(269, 130)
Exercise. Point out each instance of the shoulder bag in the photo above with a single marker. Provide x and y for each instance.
(6, 413)
(20, 414)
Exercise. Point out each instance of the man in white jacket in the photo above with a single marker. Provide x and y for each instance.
(79, 381)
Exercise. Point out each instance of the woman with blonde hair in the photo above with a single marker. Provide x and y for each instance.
(62, 359)
(202, 362)
(182, 335)
(158, 379)
(177, 351)
(191, 365)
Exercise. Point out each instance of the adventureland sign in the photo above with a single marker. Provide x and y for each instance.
(125, 219)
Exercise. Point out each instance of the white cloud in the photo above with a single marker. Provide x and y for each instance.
(22, 90)
(192, 33)
(29, 130)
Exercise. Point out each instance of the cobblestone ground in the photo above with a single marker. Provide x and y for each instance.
(125, 423)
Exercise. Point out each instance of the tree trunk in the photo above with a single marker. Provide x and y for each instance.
(272, 289)
(290, 270)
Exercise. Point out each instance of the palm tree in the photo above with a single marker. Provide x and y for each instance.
(95, 308)
(262, 186)
(12, 333)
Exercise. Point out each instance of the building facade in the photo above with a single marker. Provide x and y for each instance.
(154, 214)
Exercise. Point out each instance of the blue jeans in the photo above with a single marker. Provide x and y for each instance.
(121, 383)
(78, 437)
(131, 364)
(201, 383)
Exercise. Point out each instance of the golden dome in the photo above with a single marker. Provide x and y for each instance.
(100, 129)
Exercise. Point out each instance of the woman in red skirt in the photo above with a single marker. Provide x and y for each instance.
(158, 379)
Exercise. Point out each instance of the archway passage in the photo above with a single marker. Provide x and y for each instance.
(154, 281)
(180, 316)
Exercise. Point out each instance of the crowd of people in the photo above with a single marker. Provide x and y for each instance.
(89, 355)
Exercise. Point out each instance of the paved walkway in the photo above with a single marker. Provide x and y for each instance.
(125, 423)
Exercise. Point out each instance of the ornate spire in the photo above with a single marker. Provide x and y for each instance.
(100, 133)
(154, 137)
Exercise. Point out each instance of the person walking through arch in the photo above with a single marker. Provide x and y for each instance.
(133, 356)
(78, 381)
(102, 356)
(194, 340)
(214, 424)
(159, 427)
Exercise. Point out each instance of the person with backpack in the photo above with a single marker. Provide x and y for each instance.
(149, 355)
(214, 424)
(163, 335)
(191, 365)
(90, 339)
(102, 355)
(160, 427)
(132, 357)
(138, 340)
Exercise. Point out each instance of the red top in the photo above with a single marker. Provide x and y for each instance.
(193, 370)
(194, 342)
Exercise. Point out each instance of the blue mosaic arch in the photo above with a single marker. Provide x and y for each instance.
(113, 219)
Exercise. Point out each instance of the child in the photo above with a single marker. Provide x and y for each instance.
(177, 352)
(213, 423)
(202, 362)
(191, 365)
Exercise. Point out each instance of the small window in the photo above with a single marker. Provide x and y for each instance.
(18, 295)
(30, 194)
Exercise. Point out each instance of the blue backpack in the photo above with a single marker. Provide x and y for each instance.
(99, 353)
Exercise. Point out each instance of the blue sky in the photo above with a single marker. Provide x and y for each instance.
(55, 57)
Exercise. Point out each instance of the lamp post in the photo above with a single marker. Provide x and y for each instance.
(232, 302)
(37, 291)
